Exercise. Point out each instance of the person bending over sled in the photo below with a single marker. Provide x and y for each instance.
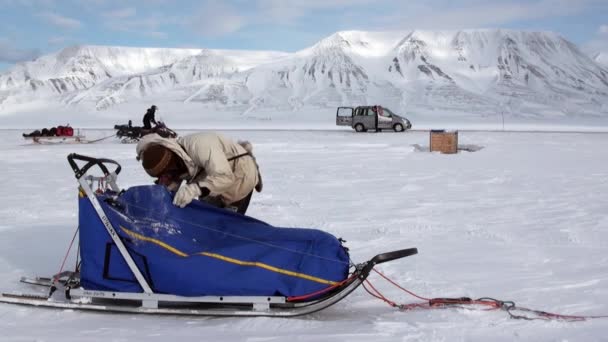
(215, 168)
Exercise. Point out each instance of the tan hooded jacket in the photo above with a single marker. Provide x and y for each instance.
(207, 157)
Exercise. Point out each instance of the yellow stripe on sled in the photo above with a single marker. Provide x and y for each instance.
(154, 241)
(268, 267)
(228, 259)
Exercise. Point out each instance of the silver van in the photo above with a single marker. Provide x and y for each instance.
(378, 118)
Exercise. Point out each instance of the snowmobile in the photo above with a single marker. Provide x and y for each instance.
(131, 134)
(138, 253)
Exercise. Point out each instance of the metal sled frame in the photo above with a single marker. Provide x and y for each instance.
(64, 290)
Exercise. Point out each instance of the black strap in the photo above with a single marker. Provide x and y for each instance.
(239, 156)
(258, 186)
(229, 159)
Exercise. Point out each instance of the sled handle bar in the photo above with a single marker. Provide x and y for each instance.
(79, 172)
(386, 257)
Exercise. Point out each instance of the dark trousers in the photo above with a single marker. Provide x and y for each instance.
(242, 204)
(239, 206)
(147, 124)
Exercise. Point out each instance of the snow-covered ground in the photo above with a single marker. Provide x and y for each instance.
(187, 116)
(524, 219)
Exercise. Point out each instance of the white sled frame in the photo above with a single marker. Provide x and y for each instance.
(102, 301)
(86, 187)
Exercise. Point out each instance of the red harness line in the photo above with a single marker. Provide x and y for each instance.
(306, 296)
(489, 303)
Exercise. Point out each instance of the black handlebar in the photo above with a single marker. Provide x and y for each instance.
(80, 171)
(385, 257)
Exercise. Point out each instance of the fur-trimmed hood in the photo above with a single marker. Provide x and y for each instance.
(172, 144)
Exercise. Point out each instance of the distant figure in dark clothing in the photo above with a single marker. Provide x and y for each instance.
(149, 118)
(375, 110)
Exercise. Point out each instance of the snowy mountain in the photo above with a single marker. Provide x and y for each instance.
(482, 72)
(188, 76)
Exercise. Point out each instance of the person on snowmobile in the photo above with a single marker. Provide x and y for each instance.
(215, 168)
(149, 117)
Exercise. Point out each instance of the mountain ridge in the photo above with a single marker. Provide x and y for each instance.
(537, 73)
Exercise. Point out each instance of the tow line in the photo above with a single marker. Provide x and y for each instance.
(483, 303)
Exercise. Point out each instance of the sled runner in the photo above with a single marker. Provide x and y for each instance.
(140, 254)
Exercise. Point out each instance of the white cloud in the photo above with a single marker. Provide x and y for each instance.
(28, 3)
(155, 34)
(418, 14)
(443, 14)
(216, 18)
(159, 18)
(54, 41)
(598, 43)
(148, 27)
(9, 53)
(297, 12)
(120, 13)
(380, 14)
(61, 21)
(595, 46)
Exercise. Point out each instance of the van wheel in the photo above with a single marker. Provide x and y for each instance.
(359, 128)
(398, 127)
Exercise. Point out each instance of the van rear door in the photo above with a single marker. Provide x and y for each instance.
(344, 116)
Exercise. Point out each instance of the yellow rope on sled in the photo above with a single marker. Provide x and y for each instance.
(227, 259)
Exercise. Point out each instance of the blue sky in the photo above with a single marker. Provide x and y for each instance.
(29, 28)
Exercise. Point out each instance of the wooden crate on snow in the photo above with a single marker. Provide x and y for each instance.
(444, 142)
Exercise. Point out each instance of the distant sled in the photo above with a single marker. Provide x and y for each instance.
(74, 139)
(77, 138)
(140, 254)
(55, 135)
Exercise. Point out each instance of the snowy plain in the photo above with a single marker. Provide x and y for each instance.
(525, 218)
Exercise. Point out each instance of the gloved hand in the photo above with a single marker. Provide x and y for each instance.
(186, 194)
